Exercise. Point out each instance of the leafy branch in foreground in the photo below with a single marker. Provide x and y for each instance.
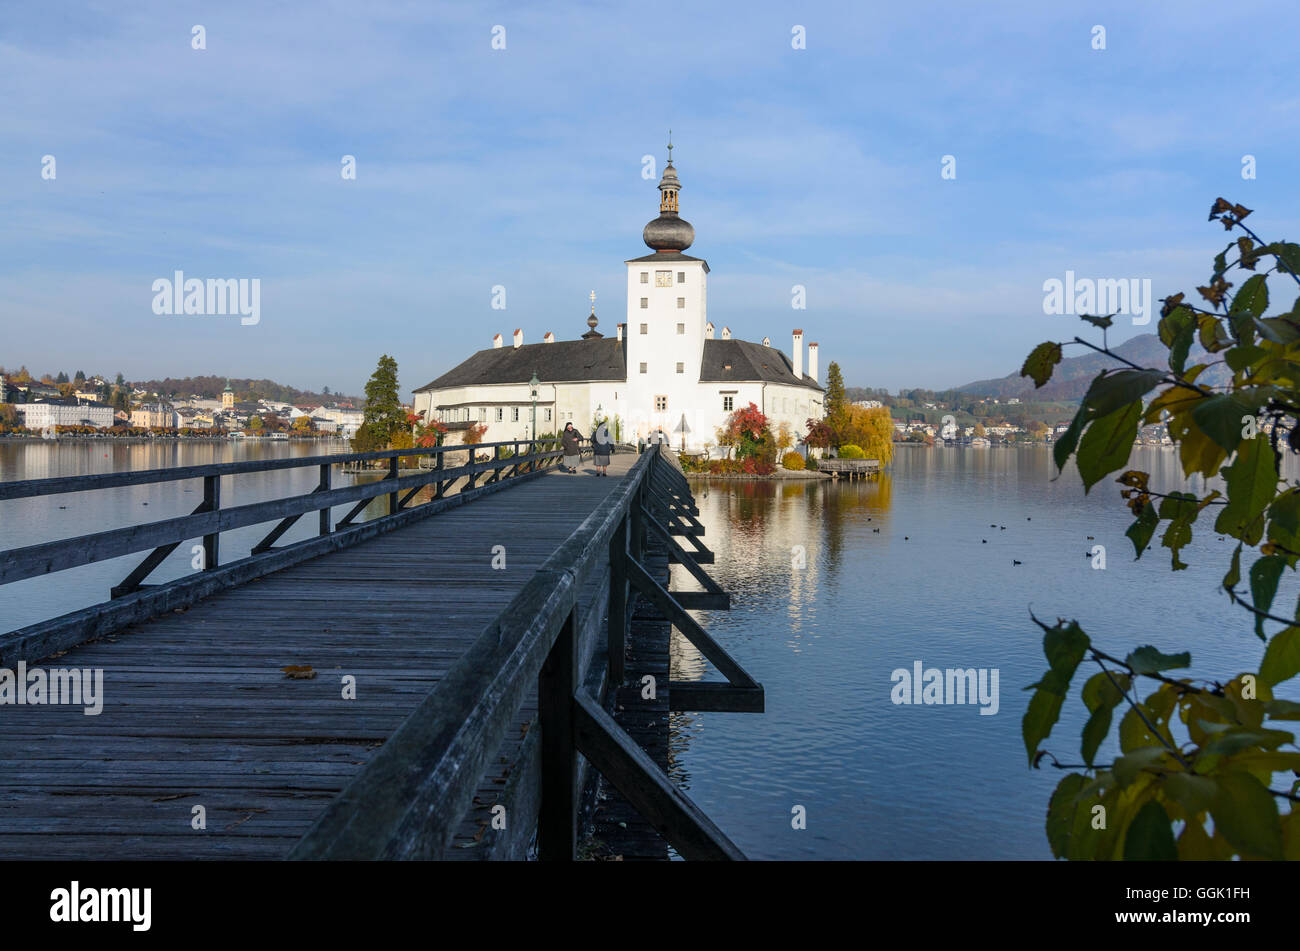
(1195, 774)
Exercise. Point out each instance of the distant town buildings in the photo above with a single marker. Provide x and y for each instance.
(154, 415)
(46, 413)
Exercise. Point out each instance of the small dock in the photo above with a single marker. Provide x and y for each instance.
(849, 468)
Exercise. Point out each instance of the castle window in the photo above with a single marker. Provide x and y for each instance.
(681, 303)
(661, 404)
(514, 414)
(645, 328)
(643, 368)
(681, 277)
(500, 414)
(645, 302)
(663, 278)
(681, 328)
(645, 277)
(681, 368)
(728, 404)
(547, 417)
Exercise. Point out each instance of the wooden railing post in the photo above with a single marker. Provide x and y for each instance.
(557, 832)
(211, 503)
(618, 602)
(324, 486)
(392, 474)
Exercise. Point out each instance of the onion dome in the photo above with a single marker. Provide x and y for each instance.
(669, 232)
(592, 333)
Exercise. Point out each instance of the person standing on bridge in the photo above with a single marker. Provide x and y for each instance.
(571, 441)
(601, 447)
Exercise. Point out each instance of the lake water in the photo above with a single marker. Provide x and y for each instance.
(899, 569)
(934, 584)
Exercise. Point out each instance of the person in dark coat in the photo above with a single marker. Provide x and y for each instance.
(571, 441)
(602, 446)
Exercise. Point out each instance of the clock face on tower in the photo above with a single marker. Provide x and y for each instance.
(663, 278)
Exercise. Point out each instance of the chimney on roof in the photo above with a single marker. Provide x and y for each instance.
(548, 337)
(708, 330)
(767, 341)
(497, 341)
(519, 338)
(812, 361)
(620, 332)
(796, 354)
(726, 333)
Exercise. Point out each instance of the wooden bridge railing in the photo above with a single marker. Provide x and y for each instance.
(410, 799)
(133, 600)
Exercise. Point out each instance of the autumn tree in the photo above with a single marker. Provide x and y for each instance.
(748, 430)
(1194, 777)
(870, 429)
(819, 434)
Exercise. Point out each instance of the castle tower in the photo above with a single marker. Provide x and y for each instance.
(666, 316)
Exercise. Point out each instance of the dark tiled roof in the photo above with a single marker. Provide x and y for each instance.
(665, 257)
(565, 361)
(748, 362)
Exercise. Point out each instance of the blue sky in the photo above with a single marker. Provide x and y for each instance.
(522, 167)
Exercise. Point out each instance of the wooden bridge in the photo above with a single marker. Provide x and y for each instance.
(451, 663)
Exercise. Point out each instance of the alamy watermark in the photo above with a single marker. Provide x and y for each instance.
(63, 686)
(1078, 296)
(215, 297)
(77, 904)
(931, 685)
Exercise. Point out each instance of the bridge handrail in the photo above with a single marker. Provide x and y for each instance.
(210, 519)
(28, 488)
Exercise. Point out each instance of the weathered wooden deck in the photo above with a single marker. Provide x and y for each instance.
(849, 468)
(197, 711)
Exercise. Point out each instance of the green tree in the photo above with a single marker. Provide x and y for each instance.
(836, 401)
(1195, 774)
(384, 414)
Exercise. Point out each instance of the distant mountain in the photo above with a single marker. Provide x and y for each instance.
(1072, 375)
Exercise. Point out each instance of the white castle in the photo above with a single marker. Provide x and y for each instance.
(665, 369)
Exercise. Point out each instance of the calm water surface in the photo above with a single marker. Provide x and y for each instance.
(882, 781)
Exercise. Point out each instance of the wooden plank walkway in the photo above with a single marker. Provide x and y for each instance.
(198, 712)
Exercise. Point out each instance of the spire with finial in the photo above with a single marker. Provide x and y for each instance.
(669, 232)
(593, 333)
